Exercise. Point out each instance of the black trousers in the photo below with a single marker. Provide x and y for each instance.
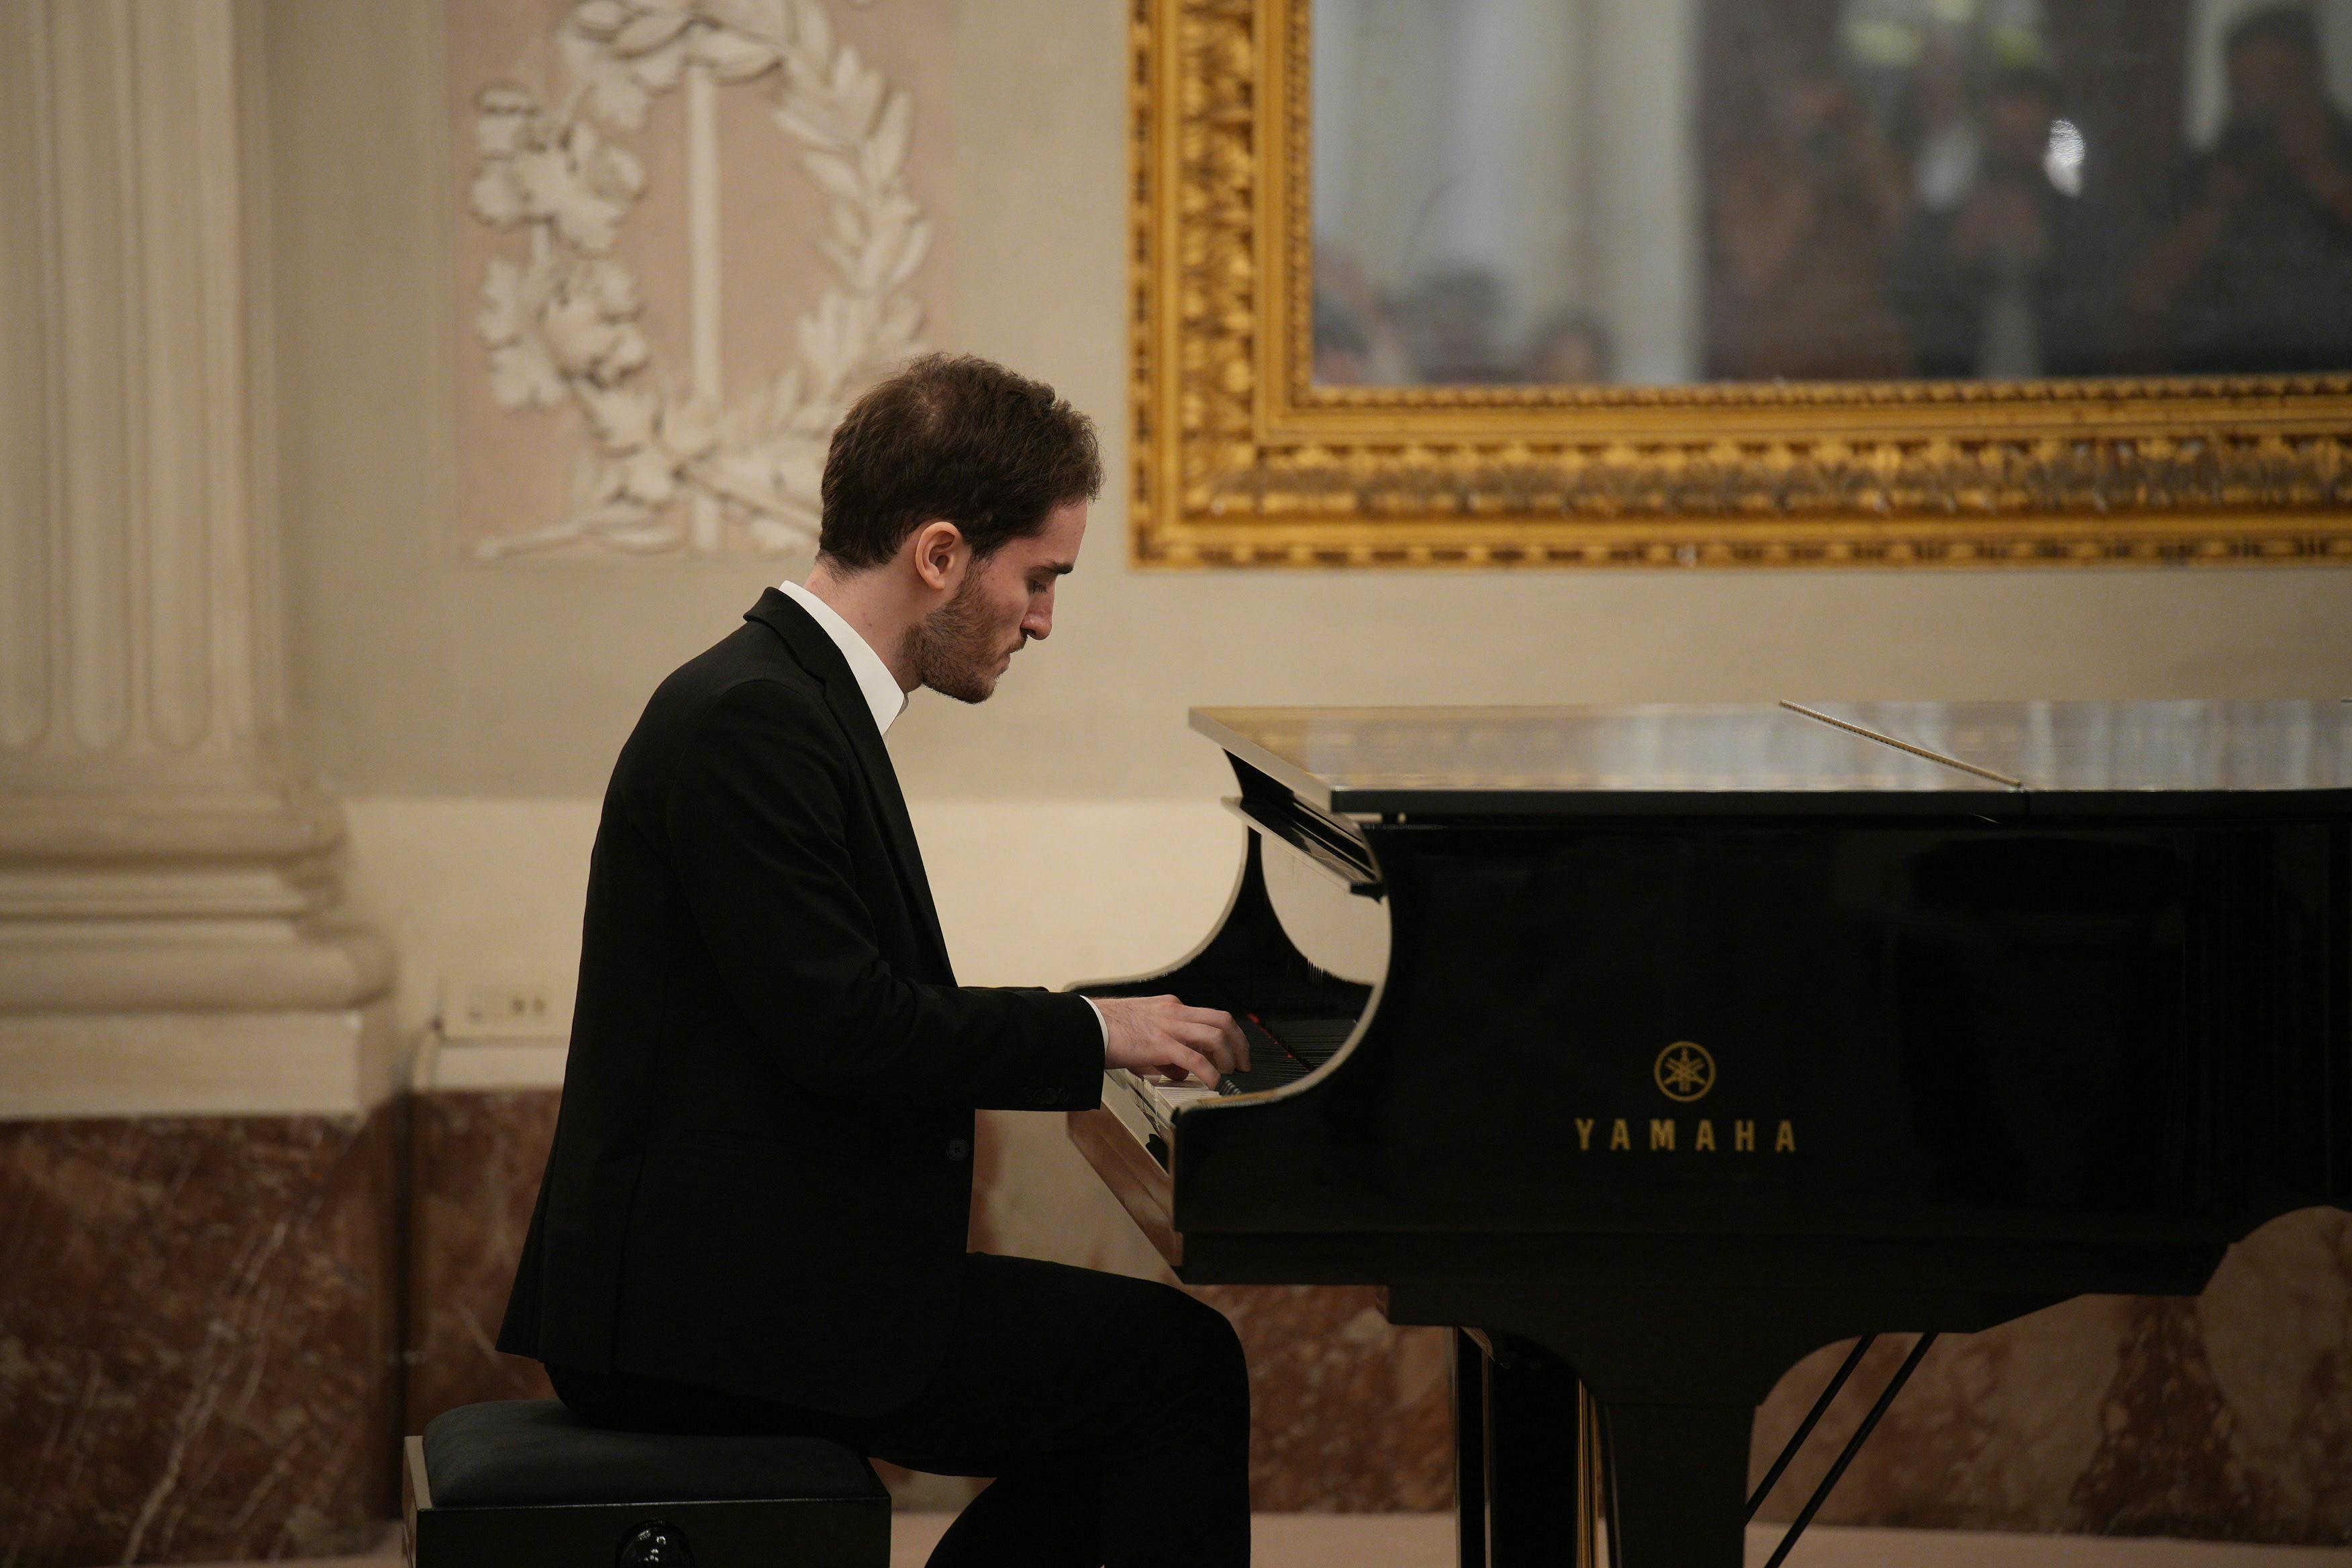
(1113, 1413)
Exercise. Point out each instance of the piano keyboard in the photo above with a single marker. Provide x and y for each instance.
(1283, 1049)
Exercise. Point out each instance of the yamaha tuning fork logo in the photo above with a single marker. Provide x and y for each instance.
(1685, 1071)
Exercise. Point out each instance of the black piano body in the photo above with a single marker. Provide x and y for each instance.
(1707, 1036)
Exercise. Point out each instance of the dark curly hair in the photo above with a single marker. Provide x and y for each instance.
(952, 437)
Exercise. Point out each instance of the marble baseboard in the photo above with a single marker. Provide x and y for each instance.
(474, 1161)
(1347, 1414)
(198, 1336)
(2227, 1417)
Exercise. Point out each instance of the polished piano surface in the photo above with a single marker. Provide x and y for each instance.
(1655, 1048)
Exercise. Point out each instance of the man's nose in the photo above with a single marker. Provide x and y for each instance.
(1039, 622)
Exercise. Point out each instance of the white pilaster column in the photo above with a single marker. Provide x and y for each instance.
(166, 879)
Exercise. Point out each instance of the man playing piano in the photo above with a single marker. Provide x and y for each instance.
(754, 1213)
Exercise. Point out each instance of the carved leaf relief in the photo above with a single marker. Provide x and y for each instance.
(668, 463)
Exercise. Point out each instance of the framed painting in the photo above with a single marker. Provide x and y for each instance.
(1716, 282)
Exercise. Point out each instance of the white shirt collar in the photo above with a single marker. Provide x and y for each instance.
(873, 678)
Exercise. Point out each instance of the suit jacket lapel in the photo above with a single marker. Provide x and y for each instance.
(848, 705)
(817, 655)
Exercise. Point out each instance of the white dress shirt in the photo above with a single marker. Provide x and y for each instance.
(873, 677)
(878, 685)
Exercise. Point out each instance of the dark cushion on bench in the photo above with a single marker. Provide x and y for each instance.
(522, 1452)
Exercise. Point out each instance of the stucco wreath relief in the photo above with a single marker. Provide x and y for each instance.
(669, 460)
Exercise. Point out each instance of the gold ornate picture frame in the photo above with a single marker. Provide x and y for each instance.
(1240, 458)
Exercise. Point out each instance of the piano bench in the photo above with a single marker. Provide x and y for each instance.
(523, 1481)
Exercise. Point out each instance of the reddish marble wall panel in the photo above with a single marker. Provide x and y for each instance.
(475, 1163)
(1346, 1414)
(198, 1333)
(2227, 1417)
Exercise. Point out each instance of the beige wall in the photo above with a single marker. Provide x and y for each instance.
(1036, 892)
(421, 673)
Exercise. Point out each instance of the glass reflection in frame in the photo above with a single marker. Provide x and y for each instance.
(1658, 192)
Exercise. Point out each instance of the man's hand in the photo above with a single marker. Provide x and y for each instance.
(1160, 1036)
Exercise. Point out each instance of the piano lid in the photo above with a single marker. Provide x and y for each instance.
(2134, 747)
(1992, 758)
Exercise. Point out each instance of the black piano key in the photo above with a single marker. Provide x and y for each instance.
(1283, 1049)
(1310, 1038)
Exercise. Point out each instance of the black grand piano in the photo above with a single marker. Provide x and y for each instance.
(1651, 1048)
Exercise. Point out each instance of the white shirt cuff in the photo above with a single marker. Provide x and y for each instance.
(1104, 1022)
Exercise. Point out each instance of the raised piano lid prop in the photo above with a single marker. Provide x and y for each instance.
(1655, 1048)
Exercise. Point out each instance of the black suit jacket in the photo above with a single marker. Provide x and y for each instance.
(761, 1175)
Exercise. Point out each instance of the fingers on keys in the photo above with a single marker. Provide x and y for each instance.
(1182, 1059)
(1209, 1037)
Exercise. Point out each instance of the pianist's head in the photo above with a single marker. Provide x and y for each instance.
(955, 498)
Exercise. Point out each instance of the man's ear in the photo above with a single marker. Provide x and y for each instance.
(941, 553)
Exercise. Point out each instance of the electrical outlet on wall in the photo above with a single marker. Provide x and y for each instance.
(504, 1004)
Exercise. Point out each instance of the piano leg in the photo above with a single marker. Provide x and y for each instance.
(1469, 1451)
(1679, 1484)
(1526, 1485)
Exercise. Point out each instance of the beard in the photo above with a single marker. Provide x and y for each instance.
(954, 649)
